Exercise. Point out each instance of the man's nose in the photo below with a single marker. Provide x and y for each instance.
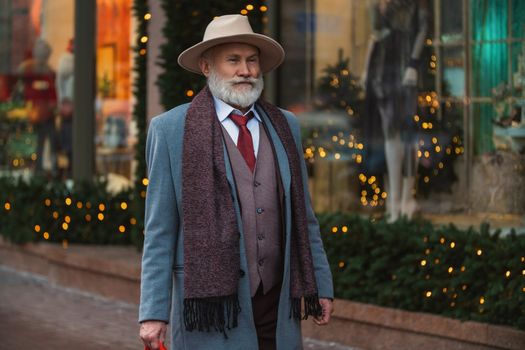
(243, 71)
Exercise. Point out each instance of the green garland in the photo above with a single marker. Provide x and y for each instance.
(142, 15)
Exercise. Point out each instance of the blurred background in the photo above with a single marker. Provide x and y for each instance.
(413, 131)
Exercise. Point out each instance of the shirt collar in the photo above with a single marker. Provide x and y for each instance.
(224, 110)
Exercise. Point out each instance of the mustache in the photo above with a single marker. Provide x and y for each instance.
(234, 81)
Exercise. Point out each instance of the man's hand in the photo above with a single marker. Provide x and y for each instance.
(328, 308)
(152, 333)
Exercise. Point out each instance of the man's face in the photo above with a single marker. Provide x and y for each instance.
(234, 73)
(233, 61)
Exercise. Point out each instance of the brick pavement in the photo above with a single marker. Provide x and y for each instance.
(39, 315)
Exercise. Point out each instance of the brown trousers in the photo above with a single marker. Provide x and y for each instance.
(265, 308)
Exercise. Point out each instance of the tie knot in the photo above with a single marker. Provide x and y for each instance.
(241, 120)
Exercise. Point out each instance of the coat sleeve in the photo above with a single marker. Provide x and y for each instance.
(160, 228)
(323, 274)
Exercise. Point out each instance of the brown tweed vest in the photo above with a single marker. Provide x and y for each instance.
(259, 198)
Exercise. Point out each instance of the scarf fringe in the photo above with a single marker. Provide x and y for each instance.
(311, 307)
(217, 313)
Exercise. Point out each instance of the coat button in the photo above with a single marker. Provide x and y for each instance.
(260, 236)
(242, 273)
(261, 262)
(256, 184)
(260, 210)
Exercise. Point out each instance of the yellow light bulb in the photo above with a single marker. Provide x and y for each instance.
(122, 228)
(123, 205)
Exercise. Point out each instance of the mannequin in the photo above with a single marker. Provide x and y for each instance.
(65, 83)
(38, 79)
(399, 29)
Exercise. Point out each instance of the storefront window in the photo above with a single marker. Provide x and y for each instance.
(36, 74)
(401, 102)
(114, 137)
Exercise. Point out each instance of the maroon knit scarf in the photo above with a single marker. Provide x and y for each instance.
(211, 234)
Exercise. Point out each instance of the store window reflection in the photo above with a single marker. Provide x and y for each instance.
(33, 119)
(409, 107)
(114, 140)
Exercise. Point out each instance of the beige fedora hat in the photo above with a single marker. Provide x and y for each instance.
(233, 29)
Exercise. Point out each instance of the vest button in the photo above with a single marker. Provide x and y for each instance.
(260, 210)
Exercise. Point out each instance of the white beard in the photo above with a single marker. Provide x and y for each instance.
(224, 89)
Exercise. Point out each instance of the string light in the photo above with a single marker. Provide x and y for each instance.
(7, 206)
(144, 39)
(145, 181)
(123, 205)
(147, 16)
(122, 228)
(68, 201)
(37, 228)
(101, 207)
(100, 216)
(46, 235)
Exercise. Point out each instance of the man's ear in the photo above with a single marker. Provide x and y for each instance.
(204, 66)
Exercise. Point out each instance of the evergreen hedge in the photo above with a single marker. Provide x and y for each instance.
(411, 265)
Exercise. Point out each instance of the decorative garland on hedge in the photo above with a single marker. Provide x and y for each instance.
(142, 15)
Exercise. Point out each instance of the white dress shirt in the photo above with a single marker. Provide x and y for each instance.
(223, 112)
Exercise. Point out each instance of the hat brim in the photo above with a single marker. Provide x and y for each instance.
(271, 53)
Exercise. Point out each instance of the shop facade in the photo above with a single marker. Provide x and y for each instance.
(407, 106)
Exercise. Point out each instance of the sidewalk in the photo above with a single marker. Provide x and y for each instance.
(39, 315)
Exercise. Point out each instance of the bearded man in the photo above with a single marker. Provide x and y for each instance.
(232, 254)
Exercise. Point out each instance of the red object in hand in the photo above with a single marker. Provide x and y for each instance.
(161, 347)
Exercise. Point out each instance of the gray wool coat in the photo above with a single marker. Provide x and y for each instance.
(163, 263)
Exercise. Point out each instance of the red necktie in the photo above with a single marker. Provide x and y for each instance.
(245, 141)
